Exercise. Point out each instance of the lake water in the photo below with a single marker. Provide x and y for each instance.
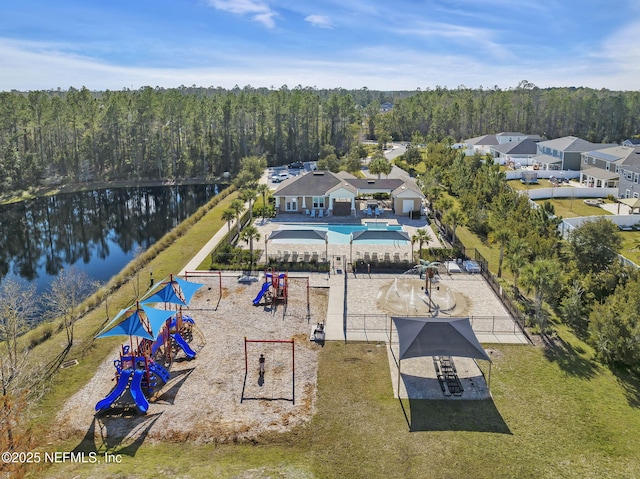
(97, 232)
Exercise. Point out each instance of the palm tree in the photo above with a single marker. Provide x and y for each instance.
(421, 237)
(541, 276)
(516, 259)
(262, 190)
(250, 234)
(379, 166)
(228, 215)
(237, 206)
(454, 217)
(248, 195)
(500, 236)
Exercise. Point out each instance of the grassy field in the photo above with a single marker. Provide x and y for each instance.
(554, 413)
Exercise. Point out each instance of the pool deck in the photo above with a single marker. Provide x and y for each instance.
(351, 253)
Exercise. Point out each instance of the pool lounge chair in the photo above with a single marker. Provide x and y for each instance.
(320, 213)
(308, 212)
(377, 211)
(313, 213)
(306, 256)
(367, 212)
(396, 257)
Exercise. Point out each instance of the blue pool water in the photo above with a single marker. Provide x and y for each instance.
(341, 233)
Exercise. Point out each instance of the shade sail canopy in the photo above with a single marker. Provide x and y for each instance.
(141, 321)
(174, 291)
(300, 234)
(632, 202)
(390, 235)
(438, 337)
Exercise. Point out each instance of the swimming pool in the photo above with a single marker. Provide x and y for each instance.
(341, 233)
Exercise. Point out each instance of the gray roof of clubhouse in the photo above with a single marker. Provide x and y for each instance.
(319, 183)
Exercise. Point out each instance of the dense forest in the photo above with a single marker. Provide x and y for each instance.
(80, 135)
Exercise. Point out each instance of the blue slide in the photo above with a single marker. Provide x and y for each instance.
(265, 288)
(184, 345)
(136, 391)
(116, 392)
(160, 371)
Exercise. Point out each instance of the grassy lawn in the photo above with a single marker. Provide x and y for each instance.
(520, 186)
(631, 245)
(574, 207)
(554, 413)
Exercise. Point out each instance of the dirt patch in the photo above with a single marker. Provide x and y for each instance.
(210, 398)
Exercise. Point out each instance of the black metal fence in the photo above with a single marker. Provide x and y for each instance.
(376, 327)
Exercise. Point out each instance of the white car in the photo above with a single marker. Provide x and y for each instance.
(280, 177)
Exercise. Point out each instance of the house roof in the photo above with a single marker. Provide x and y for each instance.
(314, 183)
(618, 154)
(600, 173)
(548, 159)
(344, 174)
(573, 144)
(524, 147)
(482, 140)
(321, 183)
(364, 184)
(510, 133)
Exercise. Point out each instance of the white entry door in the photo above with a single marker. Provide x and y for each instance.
(407, 206)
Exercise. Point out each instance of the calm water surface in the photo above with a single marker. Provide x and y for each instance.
(98, 231)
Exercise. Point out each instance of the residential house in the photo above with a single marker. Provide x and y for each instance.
(563, 153)
(515, 152)
(514, 137)
(479, 144)
(601, 168)
(483, 144)
(629, 186)
(336, 193)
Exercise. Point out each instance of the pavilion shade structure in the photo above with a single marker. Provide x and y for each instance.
(368, 235)
(418, 337)
(299, 234)
(438, 337)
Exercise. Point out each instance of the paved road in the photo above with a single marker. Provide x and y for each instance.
(396, 172)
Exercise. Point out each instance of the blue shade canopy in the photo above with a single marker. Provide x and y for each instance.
(134, 321)
(174, 291)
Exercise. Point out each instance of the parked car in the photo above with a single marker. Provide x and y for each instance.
(296, 165)
(280, 177)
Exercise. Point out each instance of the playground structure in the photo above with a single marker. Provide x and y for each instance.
(160, 335)
(274, 289)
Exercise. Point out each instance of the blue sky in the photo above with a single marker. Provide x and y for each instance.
(380, 44)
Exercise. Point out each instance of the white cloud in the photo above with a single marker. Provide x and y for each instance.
(258, 10)
(320, 21)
